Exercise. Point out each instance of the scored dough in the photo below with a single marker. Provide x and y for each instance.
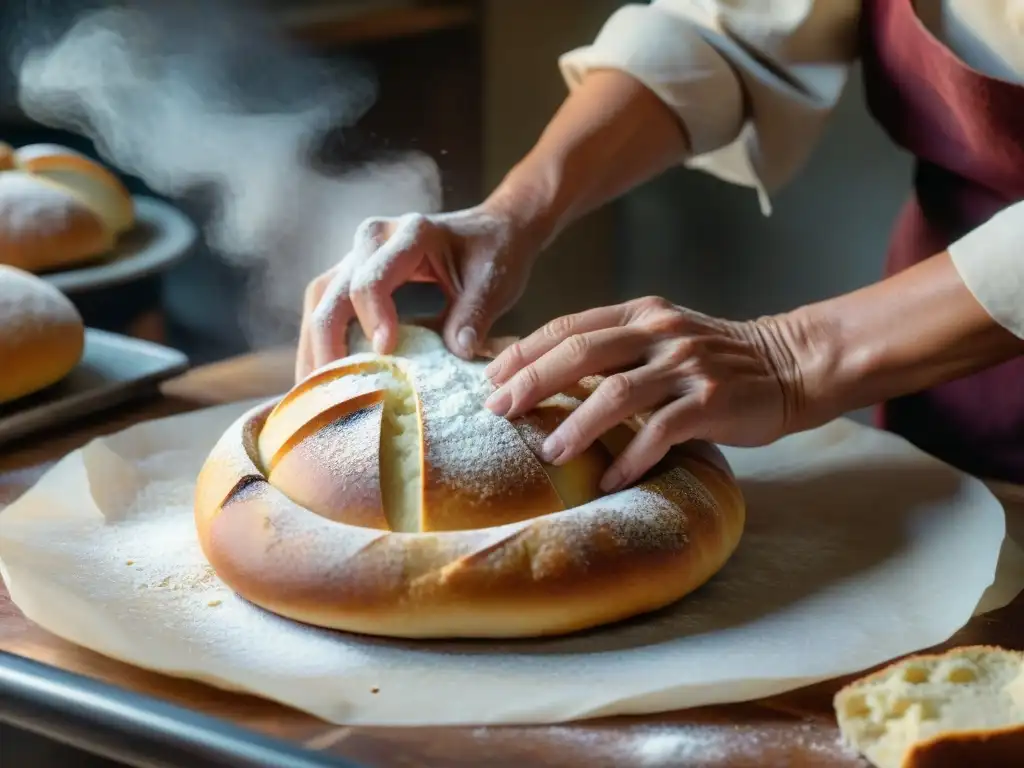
(380, 496)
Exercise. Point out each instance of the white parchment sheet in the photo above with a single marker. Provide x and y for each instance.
(858, 548)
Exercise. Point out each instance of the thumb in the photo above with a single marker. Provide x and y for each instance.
(472, 313)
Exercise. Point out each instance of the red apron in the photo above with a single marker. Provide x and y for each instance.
(967, 132)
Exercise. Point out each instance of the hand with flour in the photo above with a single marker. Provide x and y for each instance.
(609, 135)
(480, 257)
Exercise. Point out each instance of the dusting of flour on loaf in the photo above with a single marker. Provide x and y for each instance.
(471, 448)
(27, 302)
(32, 205)
(645, 517)
(471, 451)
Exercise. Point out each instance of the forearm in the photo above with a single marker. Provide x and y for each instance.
(610, 135)
(913, 331)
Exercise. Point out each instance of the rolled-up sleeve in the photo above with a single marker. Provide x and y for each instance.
(990, 260)
(752, 82)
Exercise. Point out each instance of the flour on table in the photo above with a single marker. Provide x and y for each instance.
(668, 745)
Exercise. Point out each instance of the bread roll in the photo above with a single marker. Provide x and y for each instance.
(379, 496)
(58, 208)
(41, 334)
(964, 707)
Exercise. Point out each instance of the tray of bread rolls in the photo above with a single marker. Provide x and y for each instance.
(54, 370)
(69, 219)
(68, 225)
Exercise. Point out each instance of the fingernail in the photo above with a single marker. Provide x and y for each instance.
(466, 339)
(611, 481)
(379, 337)
(499, 402)
(552, 448)
(492, 369)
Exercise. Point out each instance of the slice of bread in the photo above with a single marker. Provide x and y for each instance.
(964, 707)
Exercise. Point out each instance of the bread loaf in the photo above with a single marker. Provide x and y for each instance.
(964, 707)
(58, 208)
(41, 334)
(379, 496)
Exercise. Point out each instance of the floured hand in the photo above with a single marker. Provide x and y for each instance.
(479, 257)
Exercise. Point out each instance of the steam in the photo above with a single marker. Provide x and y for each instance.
(202, 98)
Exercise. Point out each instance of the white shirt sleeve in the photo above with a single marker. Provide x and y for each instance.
(753, 82)
(990, 260)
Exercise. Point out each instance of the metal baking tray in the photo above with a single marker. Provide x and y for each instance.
(134, 729)
(114, 369)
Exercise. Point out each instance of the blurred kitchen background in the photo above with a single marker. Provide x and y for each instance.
(472, 84)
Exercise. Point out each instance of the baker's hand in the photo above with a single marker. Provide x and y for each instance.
(692, 376)
(480, 258)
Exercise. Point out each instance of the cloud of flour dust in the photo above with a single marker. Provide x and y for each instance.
(196, 95)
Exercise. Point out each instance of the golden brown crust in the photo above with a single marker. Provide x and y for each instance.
(307, 403)
(345, 488)
(528, 567)
(454, 500)
(58, 208)
(83, 175)
(44, 227)
(41, 334)
(549, 575)
(996, 748)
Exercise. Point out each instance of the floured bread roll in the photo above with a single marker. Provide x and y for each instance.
(41, 334)
(964, 707)
(58, 208)
(380, 496)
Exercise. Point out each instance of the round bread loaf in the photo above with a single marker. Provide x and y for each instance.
(58, 208)
(379, 496)
(41, 334)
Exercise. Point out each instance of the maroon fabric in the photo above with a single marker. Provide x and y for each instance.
(967, 131)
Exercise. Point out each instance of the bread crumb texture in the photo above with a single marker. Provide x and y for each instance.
(964, 694)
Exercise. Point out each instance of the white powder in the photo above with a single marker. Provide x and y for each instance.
(366, 270)
(26, 303)
(476, 456)
(30, 207)
(683, 744)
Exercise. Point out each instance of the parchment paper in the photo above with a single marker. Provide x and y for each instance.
(858, 549)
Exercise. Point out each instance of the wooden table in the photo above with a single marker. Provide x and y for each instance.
(795, 729)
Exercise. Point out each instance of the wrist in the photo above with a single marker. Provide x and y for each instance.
(611, 134)
(531, 200)
(913, 331)
(814, 367)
